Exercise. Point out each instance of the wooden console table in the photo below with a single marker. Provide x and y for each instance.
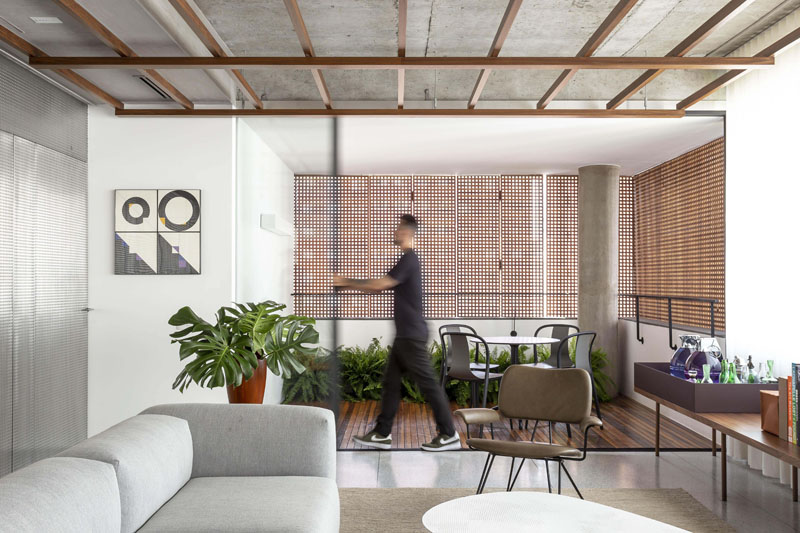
(745, 427)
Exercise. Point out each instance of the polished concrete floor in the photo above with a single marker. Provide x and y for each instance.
(755, 503)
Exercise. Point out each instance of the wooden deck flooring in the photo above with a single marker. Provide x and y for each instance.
(628, 425)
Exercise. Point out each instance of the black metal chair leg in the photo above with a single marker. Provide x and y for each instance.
(571, 480)
(533, 433)
(569, 431)
(510, 473)
(559, 477)
(483, 474)
(491, 429)
(486, 476)
(517, 474)
(547, 469)
(597, 407)
(551, 433)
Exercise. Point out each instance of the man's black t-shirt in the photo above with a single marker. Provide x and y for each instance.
(408, 319)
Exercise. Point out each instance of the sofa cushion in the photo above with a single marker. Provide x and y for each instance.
(287, 504)
(152, 456)
(258, 440)
(60, 495)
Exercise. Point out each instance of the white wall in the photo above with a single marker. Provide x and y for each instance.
(762, 188)
(264, 260)
(131, 362)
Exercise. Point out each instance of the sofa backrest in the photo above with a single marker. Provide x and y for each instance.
(152, 457)
(60, 495)
(258, 440)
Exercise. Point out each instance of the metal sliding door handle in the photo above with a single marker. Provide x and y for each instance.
(87, 309)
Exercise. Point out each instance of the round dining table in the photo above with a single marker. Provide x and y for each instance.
(514, 342)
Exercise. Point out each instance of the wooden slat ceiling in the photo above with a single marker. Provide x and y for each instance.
(675, 59)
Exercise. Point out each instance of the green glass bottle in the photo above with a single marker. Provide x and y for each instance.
(723, 377)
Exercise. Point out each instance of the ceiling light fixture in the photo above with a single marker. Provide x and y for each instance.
(46, 20)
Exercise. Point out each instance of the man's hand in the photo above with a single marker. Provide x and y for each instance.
(364, 285)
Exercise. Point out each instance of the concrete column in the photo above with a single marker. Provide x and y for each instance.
(598, 257)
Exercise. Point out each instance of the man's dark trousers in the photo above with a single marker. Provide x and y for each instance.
(410, 356)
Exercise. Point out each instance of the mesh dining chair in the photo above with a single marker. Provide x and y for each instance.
(583, 359)
(460, 366)
(560, 332)
(446, 357)
(530, 393)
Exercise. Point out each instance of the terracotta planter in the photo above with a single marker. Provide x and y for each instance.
(251, 390)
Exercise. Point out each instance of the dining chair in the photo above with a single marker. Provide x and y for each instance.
(557, 331)
(444, 343)
(460, 366)
(531, 393)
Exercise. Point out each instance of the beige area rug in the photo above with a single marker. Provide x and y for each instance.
(401, 510)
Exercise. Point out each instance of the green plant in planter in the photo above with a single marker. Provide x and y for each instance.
(361, 371)
(313, 385)
(228, 351)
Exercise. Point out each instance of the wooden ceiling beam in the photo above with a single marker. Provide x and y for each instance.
(405, 63)
(494, 50)
(115, 43)
(199, 28)
(598, 37)
(727, 78)
(12, 39)
(559, 113)
(305, 43)
(402, 23)
(728, 11)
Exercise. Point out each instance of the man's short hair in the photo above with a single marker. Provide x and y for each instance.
(409, 221)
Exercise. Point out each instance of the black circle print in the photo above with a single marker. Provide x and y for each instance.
(162, 210)
(126, 210)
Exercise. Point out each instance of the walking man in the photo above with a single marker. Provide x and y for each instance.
(409, 353)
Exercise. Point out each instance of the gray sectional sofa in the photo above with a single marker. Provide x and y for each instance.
(186, 467)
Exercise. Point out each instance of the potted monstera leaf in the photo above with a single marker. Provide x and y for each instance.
(237, 349)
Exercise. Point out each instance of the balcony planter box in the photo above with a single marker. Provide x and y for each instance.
(699, 397)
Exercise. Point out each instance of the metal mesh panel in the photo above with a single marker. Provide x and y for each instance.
(627, 278)
(680, 235)
(353, 231)
(312, 261)
(49, 293)
(478, 246)
(389, 197)
(562, 246)
(6, 306)
(36, 110)
(435, 209)
(522, 266)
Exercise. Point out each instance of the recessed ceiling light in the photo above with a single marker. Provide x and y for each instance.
(46, 20)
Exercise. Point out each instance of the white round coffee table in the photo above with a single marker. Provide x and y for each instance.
(535, 511)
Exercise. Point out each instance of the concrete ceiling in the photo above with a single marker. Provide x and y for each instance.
(369, 28)
(481, 145)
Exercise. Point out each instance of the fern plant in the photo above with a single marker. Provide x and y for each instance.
(310, 386)
(361, 371)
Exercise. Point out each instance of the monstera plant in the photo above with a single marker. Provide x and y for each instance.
(236, 350)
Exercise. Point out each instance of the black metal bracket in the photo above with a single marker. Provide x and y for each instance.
(638, 336)
(669, 315)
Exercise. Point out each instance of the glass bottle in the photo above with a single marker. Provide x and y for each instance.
(707, 374)
(723, 377)
(761, 376)
(751, 375)
(770, 378)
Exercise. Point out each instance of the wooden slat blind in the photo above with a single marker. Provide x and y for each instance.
(562, 246)
(679, 222)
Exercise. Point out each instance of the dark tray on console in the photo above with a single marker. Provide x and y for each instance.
(698, 397)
